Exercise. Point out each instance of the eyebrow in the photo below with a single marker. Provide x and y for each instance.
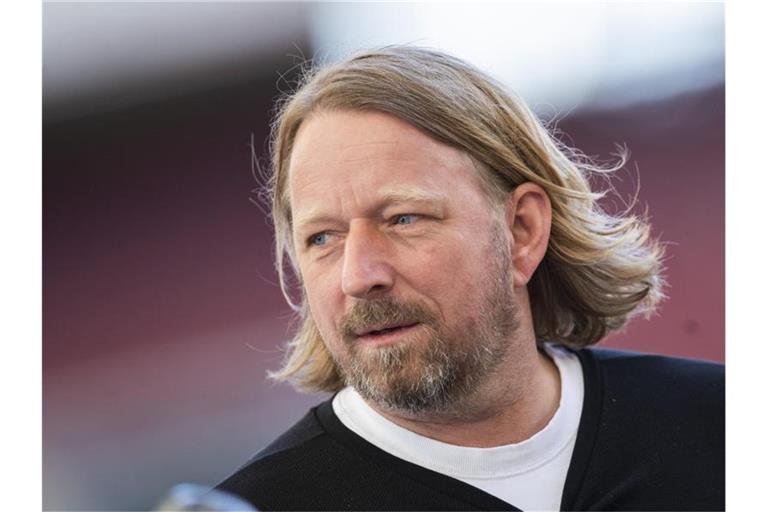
(387, 197)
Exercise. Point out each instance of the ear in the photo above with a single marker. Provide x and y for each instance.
(529, 218)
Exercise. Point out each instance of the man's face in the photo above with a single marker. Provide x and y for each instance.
(405, 265)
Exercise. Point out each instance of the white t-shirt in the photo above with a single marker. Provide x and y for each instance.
(529, 475)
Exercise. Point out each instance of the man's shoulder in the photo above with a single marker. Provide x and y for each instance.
(301, 434)
(320, 465)
(655, 389)
(610, 356)
(663, 378)
(652, 433)
(279, 463)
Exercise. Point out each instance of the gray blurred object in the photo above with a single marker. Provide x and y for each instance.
(198, 497)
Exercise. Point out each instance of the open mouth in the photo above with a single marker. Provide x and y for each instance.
(387, 332)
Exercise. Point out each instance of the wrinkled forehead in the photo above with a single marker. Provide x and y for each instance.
(347, 137)
(363, 152)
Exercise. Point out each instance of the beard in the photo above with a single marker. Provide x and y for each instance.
(438, 368)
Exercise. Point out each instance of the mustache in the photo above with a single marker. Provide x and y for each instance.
(383, 310)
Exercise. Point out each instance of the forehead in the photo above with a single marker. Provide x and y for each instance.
(343, 158)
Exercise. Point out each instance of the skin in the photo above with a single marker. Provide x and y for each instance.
(380, 210)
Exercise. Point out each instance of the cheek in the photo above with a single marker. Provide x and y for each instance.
(323, 315)
(447, 275)
(315, 279)
(323, 305)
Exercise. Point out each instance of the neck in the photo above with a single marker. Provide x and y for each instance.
(502, 411)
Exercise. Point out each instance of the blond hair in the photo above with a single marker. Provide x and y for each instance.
(599, 269)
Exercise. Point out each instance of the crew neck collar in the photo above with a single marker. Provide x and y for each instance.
(470, 462)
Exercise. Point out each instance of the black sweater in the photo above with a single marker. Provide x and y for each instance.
(651, 437)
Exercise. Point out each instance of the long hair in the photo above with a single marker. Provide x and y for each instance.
(599, 268)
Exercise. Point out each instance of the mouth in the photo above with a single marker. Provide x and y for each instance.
(385, 334)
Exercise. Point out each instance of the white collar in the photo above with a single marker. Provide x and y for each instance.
(468, 462)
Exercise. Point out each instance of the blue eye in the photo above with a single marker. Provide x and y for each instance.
(318, 239)
(405, 219)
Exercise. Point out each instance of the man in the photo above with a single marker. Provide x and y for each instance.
(454, 264)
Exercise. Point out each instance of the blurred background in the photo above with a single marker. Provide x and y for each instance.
(161, 309)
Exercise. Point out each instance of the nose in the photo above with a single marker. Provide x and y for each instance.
(366, 272)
